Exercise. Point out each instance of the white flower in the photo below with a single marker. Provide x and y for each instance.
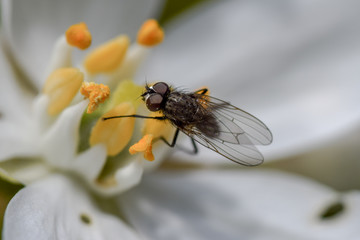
(169, 204)
(52, 138)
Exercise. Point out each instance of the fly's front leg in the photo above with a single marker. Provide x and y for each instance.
(202, 91)
(135, 116)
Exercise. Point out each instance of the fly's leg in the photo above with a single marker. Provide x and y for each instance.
(173, 142)
(135, 116)
(202, 91)
(163, 118)
(194, 145)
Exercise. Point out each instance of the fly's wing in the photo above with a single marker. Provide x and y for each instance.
(238, 132)
(246, 155)
(241, 125)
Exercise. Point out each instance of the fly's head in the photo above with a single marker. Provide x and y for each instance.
(155, 96)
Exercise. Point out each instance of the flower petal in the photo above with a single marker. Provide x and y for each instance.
(32, 28)
(57, 208)
(123, 179)
(15, 99)
(295, 66)
(238, 205)
(59, 144)
(16, 141)
(90, 162)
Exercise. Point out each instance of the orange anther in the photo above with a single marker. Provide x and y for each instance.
(78, 36)
(144, 145)
(96, 93)
(150, 33)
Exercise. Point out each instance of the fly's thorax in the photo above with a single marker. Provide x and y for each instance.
(181, 107)
(186, 112)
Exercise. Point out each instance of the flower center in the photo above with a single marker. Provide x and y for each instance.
(113, 63)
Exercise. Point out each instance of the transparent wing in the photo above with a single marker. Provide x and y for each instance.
(247, 155)
(239, 131)
(236, 125)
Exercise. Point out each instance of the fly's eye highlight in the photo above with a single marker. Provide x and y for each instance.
(154, 101)
(161, 88)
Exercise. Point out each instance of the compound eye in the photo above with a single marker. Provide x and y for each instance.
(153, 102)
(161, 88)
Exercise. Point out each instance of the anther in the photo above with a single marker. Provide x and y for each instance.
(145, 146)
(150, 34)
(78, 36)
(114, 133)
(61, 87)
(96, 93)
(108, 57)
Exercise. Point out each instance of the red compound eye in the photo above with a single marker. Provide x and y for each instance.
(154, 101)
(161, 88)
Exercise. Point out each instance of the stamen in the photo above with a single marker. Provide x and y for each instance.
(107, 57)
(96, 93)
(152, 129)
(114, 133)
(157, 128)
(78, 36)
(61, 87)
(144, 145)
(150, 33)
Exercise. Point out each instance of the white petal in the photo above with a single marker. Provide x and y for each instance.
(125, 178)
(293, 64)
(15, 100)
(16, 141)
(61, 56)
(237, 205)
(55, 208)
(32, 28)
(26, 170)
(60, 143)
(90, 162)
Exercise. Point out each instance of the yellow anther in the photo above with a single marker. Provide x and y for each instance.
(144, 145)
(96, 93)
(114, 133)
(108, 56)
(61, 87)
(157, 128)
(78, 36)
(150, 33)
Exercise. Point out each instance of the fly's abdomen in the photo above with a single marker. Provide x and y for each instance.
(208, 125)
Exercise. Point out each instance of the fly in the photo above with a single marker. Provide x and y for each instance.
(214, 123)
